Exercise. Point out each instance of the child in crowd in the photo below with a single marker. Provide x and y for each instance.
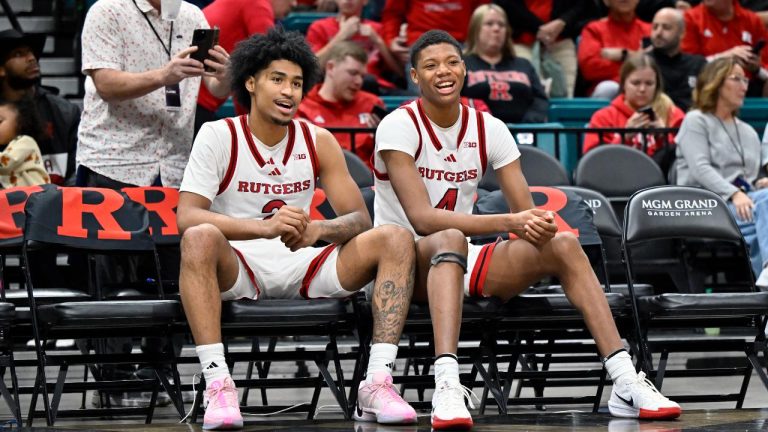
(20, 160)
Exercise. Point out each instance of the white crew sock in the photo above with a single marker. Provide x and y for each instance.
(382, 359)
(620, 367)
(212, 361)
(447, 368)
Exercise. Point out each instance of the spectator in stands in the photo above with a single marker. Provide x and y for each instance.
(138, 116)
(553, 24)
(641, 103)
(678, 69)
(340, 102)
(718, 28)
(20, 161)
(718, 151)
(606, 43)
(274, 234)
(404, 21)
(236, 20)
(19, 77)
(349, 25)
(434, 136)
(508, 84)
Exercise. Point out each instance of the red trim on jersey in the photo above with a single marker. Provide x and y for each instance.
(431, 132)
(313, 268)
(248, 270)
(481, 141)
(249, 140)
(418, 129)
(480, 270)
(380, 175)
(289, 146)
(310, 147)
(232, 158)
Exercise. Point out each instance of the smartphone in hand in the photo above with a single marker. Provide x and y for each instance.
(204, 39)
(648, 110)
(757, 47)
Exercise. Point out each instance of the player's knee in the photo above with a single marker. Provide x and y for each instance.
(397, 240)
(200, 243)
(565, 244)
(450, 240)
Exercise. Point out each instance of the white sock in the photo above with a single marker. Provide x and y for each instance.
(620, 367)
(447, 368)
(382, 359)
(212, 360)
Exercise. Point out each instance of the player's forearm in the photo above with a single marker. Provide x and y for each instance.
(341, 229)
(232, 228)
(438, 220)
(117, 86)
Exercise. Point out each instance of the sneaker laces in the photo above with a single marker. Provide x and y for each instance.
(388, 393)
(223, 396)
(647, 386)
(195, 382)
(454, 388)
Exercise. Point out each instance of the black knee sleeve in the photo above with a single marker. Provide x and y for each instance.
(451, 257)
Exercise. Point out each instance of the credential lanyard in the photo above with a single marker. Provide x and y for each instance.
(157, 35)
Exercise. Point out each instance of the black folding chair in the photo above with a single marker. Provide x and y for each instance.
(683, 214)
(95, 221)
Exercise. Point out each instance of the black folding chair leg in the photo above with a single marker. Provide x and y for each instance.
(173, 390)
(744, 384)
(12, 400)
(661, 369)
(58, 390)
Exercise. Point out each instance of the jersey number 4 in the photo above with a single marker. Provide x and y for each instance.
(448, 201)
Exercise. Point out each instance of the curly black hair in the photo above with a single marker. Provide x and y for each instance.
(429, 38)
(256, 53)
(27, 120)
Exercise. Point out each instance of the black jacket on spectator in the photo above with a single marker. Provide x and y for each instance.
(575, 13)
(60, 119)
(510, 88)
(679, 73)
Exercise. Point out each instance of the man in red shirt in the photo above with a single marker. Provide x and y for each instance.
(404, 21)
(339, 101)
(717, 28)
(606, 43)
(325, 33)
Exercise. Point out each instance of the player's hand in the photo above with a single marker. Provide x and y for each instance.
(219, 62)
(743, 204)
(288, 220)
(181, 66)
(307, 238)
(536, 226)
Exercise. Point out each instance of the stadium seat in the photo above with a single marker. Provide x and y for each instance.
(545, 136)
(539, 169)
(300, 21)
(687, 214)
(359, 171)
(95, 221)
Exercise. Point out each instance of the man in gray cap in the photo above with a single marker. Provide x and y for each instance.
(20, 76)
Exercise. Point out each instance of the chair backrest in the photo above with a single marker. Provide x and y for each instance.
(161, 203)
(670, 212)
(12, 203)
(602, 212)
(359, 171)
(300, 21)
(87, 218)
(617, 171)
(539, 168)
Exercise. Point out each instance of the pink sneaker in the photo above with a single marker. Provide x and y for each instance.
(380, 402)
(222, 410)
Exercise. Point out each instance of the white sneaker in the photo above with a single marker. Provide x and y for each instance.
(449, 410)
(638, 398)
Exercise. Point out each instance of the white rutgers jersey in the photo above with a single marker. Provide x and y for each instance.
(253, 180)
(451, 161)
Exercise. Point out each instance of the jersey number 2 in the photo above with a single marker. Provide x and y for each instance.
(448, 201)
(272, 206)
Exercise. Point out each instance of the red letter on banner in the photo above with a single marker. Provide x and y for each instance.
(74, 207)
(164, 209)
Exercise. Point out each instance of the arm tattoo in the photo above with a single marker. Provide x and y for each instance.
(341, 229)
(390, 307)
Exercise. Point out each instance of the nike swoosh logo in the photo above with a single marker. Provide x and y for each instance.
(629, 402)
(360, 412)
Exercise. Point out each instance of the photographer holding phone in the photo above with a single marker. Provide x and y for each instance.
(339, 100)
(136, 128)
